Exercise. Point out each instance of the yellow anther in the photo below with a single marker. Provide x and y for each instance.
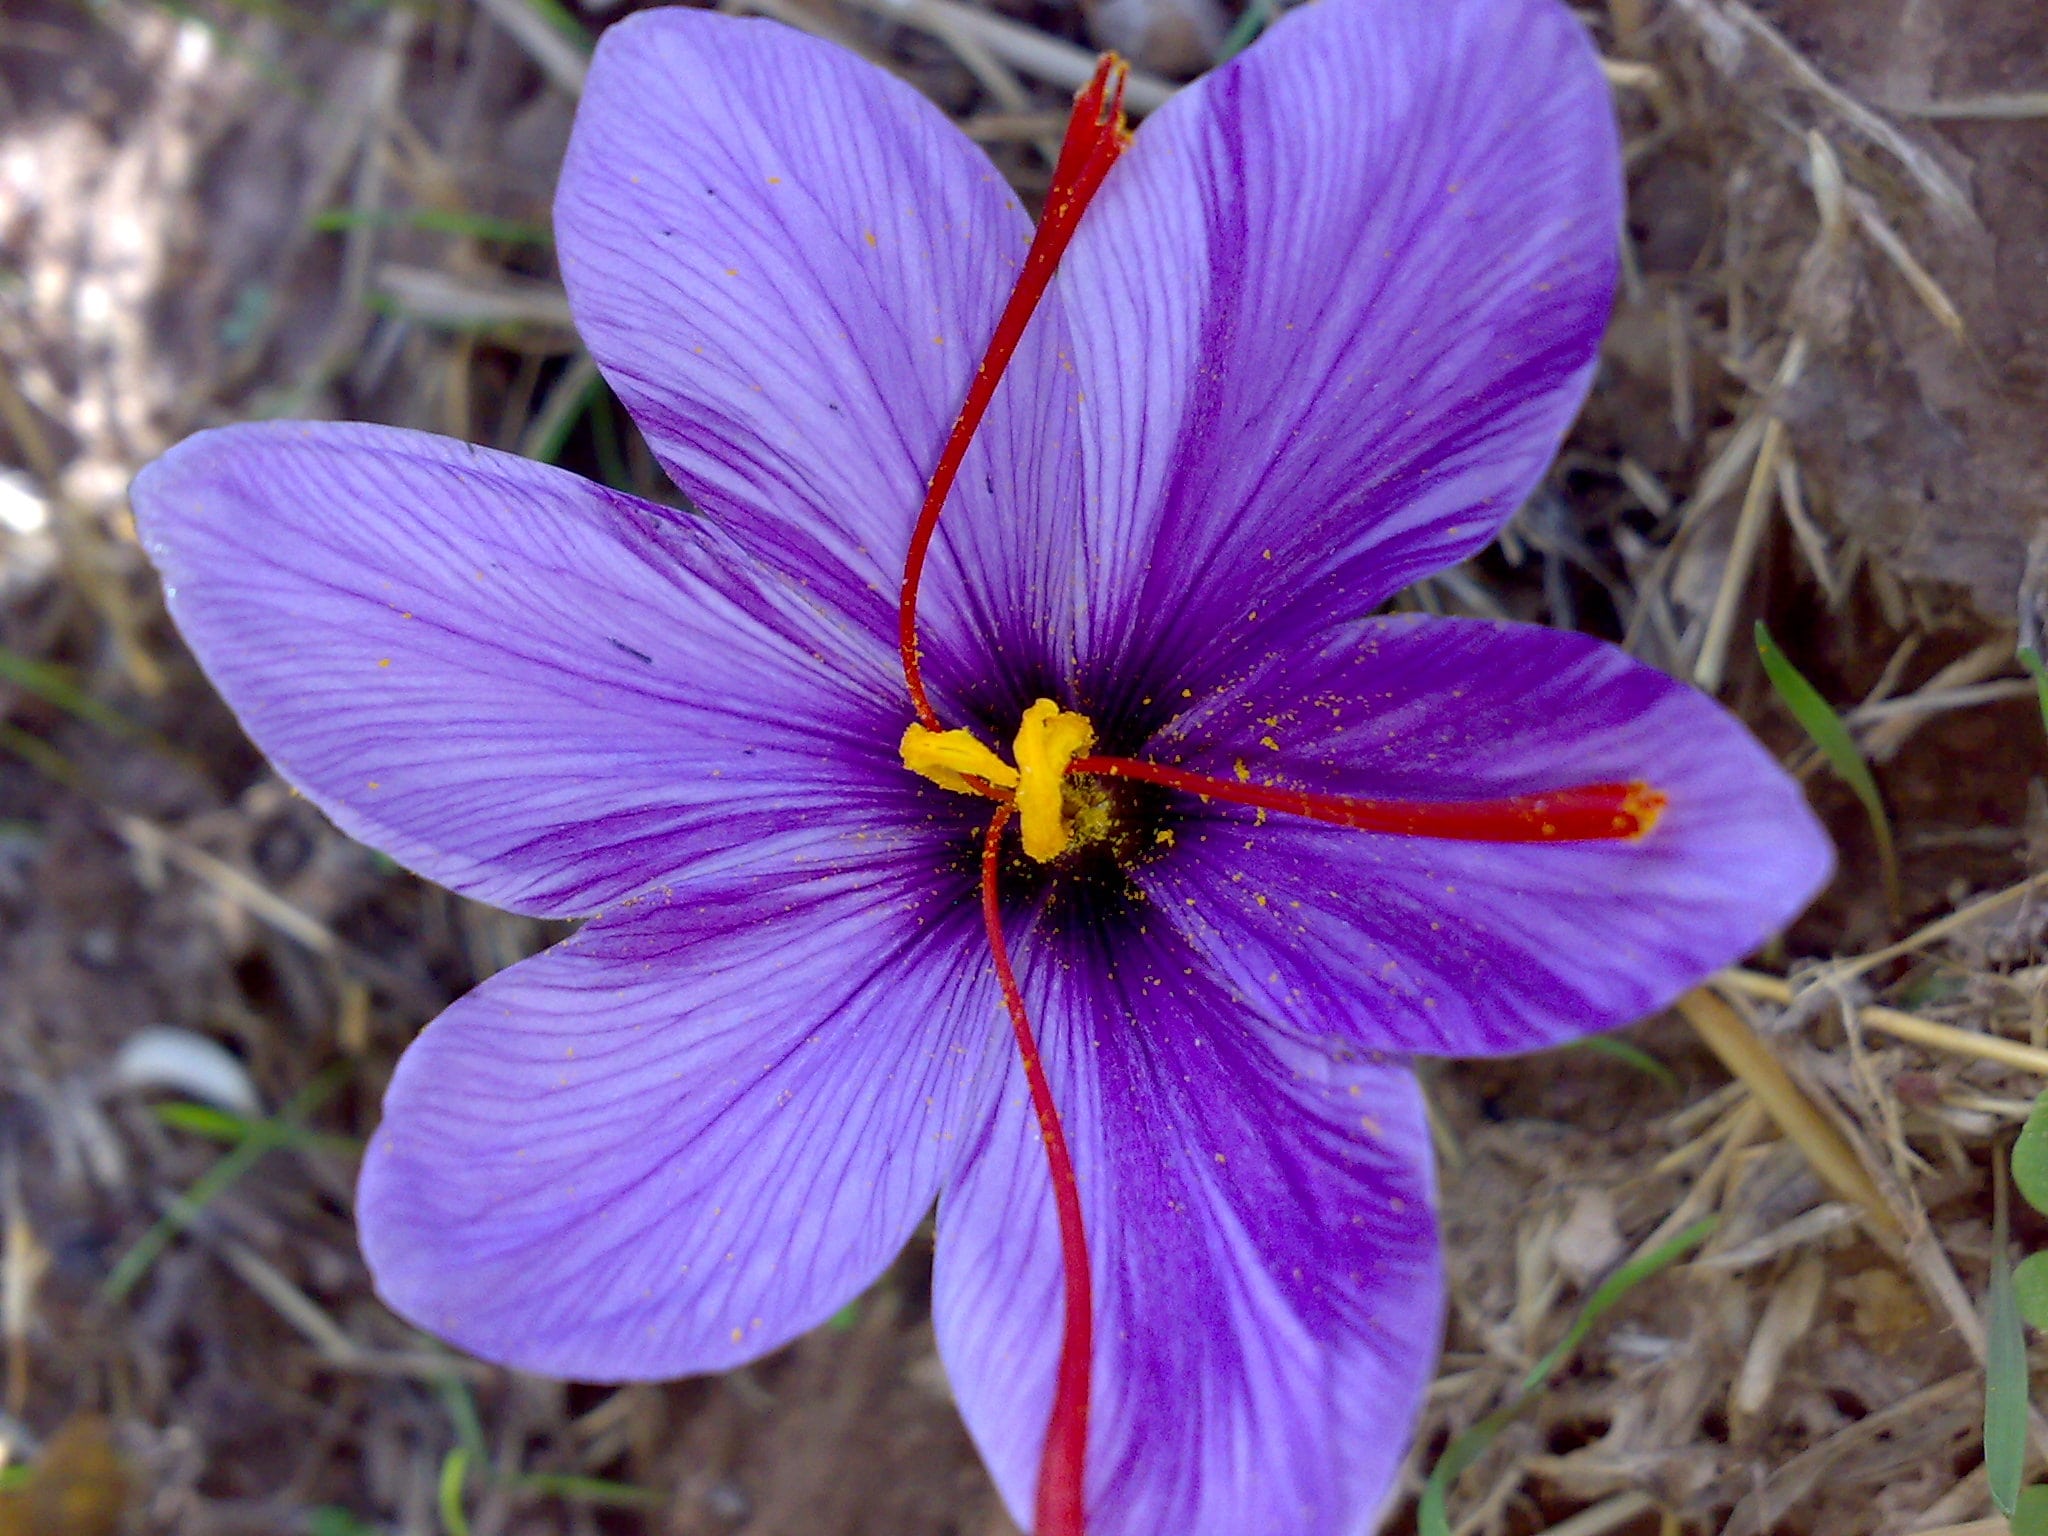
(950, 758)
(1048, 738)
(1051, 815)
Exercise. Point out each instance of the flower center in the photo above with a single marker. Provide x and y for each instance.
(1054, 813)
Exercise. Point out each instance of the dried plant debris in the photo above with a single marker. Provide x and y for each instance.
(1919, 424)
(1822, 406)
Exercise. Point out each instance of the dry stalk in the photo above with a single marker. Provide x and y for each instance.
(1023, 48)
(1903, 1026)
(1605, 1516)
(1996, 106)
(1787, 1317)
(1746, 1055)
(553, 54)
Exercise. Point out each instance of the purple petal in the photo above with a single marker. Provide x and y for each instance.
(1258, 1212)
(787, 263)
(526, 687)
(1467, 949)
(1332, 314)
(693, 1130)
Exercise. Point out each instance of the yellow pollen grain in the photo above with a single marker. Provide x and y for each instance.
(868, 235)
(383, 661)
(1244, 774)
(1269, 742)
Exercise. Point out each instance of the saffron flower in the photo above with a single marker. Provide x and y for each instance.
(1087, 859)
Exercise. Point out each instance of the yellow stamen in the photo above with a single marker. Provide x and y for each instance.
(950, 758)
(1048, 738)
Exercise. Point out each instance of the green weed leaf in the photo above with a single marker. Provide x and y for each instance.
(2030, 1157)
(2005, 1369)
(1629, 1054)
(1827, 732)
(2030, 1518)
(454, 1472)
(2031, 660)
(601, 1491)
(2030, 1289)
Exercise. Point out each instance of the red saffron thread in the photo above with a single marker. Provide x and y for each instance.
(1095, 137)
(1578, 813)
(1058, 1507)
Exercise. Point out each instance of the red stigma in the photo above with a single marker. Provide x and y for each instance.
(1577, 814)
(1058, 1506)
(1095, 137)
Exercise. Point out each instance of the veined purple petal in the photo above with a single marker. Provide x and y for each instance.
(787, 263)
(533, 690)
(696, 1128)
(1331, 314)
(1258, 1213)
(1469, 949)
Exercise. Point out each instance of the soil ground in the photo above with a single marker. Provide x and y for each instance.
(225, 209)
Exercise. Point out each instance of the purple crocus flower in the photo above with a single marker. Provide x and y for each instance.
(1317, 335)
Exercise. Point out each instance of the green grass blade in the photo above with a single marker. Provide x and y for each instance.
(1612, 1290)
(600, 1491)
(55, 685)
(562, 20)
(264, 1137)
(186, 1209)
(1827, 732)
(439, 221)
(454, 1472)
(1629, 1054)
(1432, 1514)
(333, 1520)
(2031, 660)
(2031, 1517)
(59, 687)
(2005, 1369)
(220, 1125)
(469, 1425)
(1258, 16)
(568, 399)
(604, 436)
(41, 756)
